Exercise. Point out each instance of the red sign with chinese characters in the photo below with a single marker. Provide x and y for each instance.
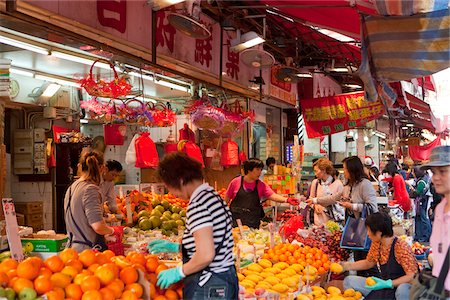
(327, 115)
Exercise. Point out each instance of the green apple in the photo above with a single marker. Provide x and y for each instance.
(27, 294)
(2, 292)
(10, 294)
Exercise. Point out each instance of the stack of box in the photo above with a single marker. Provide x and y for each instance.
(281, 184)
(33, 213)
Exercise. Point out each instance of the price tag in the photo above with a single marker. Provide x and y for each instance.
(241, 229)
(272, 236)
(302, 205)
(120, 192)
(238, 259)
(12, 230)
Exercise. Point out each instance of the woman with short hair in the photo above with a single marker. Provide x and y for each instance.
(207, 244)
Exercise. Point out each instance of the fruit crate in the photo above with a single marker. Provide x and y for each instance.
(26, 208)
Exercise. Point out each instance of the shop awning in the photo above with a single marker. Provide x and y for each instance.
(420, 111)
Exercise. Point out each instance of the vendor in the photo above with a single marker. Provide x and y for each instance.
(398, 186)
(371, 169)
(207, 246)
(326, 190)
(110, 172)
(246, 194)
(83, 209)
(393, 258)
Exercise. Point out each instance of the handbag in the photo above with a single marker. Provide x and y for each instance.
(354, 235)
(426, 286)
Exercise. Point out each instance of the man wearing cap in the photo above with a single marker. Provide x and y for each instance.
(372, 170)
(440, 236)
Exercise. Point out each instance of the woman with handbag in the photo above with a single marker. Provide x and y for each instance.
(83, 208)
(393, 258)
(246, 194)
(358, 195)
(207, 245)
(440, 235)
(326, 190)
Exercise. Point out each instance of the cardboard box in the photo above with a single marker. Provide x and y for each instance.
(36, 207)
(44, 246)
(20, 219)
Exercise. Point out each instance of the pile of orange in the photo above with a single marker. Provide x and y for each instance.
(87, 276)
(294, 254)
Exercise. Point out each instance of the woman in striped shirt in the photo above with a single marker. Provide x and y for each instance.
(207, 246)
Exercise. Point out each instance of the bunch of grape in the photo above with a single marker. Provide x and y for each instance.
(332, 226)
(334, 249)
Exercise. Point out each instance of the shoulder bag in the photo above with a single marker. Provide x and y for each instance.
(354, 235)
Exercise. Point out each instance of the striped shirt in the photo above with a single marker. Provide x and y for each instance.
(207, 209)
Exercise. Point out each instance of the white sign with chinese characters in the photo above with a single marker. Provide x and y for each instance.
(12, 230)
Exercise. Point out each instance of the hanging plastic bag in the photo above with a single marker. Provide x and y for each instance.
(170, 145)
(146, 154)
(242, 156)
(114, 134)
(192, 150)
(130, 155)
(216, 158)
(229, 153)
(186, 133)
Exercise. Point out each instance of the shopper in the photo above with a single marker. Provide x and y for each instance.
(439, 240)
(423, 197)
(110, 172)
(358, 194)
(83, 209)
(246, 194)
(270, 164)
(398, 186)
(372, 171)
(326, 190)
(207, 245)
(393, 258)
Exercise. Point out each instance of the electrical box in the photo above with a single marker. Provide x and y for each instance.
(23, 151)
(62, 98)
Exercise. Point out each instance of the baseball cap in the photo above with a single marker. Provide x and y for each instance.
(368, 161)
(440, 157)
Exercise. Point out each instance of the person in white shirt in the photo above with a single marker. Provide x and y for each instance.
(110, 172)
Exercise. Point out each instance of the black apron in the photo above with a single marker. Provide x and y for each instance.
(99, 243)
(190, 282)
(247, 207)
(390, 270)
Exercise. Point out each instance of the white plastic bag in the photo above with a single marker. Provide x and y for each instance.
(130, 156)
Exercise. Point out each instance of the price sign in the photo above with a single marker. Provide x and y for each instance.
(241, 229)
(12, 230)
(272, 237)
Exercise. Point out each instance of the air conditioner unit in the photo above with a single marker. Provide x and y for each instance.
(62, 98)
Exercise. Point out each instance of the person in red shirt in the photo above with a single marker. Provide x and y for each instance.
(398, 186)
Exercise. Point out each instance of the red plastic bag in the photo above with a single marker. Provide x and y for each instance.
(192, 150)
(186, 133)
(146, 154)
(229, 153)
(292, 225)
(114, 134)
(170, 147)
(242, 156)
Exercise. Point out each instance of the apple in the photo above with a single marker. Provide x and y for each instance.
(10, 294)
(2, 292)
(27, 294)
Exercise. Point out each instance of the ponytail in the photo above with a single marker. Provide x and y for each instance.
(90, 166)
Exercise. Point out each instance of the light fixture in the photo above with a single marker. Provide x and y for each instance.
(57, 80)
(80, 60)
(42, 94)
(84, 121)
(405, 127)
(160, 4)
(23, 45)
(21, 72)
(146, 77)
(172, 85)
(410, 125)
(366, 138)
(304, 75)
(353, 86)
(247, 40)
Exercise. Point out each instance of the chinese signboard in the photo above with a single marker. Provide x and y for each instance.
(327, 115)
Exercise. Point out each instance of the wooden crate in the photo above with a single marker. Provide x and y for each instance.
(26, 208)
(32, 218)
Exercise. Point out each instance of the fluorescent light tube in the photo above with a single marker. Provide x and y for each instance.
(23, 45)
(50, 90)
(81, 60)
(343, 70)
(353, 86)
(84, 121)
(304, 75)
(253, 42)
(138, 75)
(56, 80)
(410, 125)
(21, 72)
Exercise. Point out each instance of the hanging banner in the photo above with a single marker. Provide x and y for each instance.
(327, 115)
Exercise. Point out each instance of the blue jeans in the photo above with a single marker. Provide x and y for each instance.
(219, 286)
(358, 283)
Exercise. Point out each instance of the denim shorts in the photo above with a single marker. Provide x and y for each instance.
(220, 286)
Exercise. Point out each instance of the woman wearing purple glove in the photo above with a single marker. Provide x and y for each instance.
(207, 246)
(393, 258)
(246, 194)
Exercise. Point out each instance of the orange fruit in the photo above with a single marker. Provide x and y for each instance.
(152, 278)
(54, 263)
(138, 258)
(11, 281)
(71, 271)
(109, 254)
(128, 275)
(73, 291)
(152, 290)
(11, 274)
(283, 257)
(171, 295)
(136, 288)
(8, 264)
(43, 284)
(79, 277)
(90, 283)
(180, 292)
(92, 295)
(160, 297)
(75, 263)
(93, 267)
(107, 294)
(160, 268)
(101, 259)
(22, 283)
(4, 279)
(45, 272)
(139, 267)
(87, 257)
(105, 274)
(129, 295)
(55, 294)
(68, 254)
(60, 280)
(151, 264)
(117, 287)
(28, 269)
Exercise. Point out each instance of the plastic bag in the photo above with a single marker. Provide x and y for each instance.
(192, 150)
(292, 225)
(242, 156)
(130, 155)
(114, 134)
(229, 153)
(146, 154)
(186, 133)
